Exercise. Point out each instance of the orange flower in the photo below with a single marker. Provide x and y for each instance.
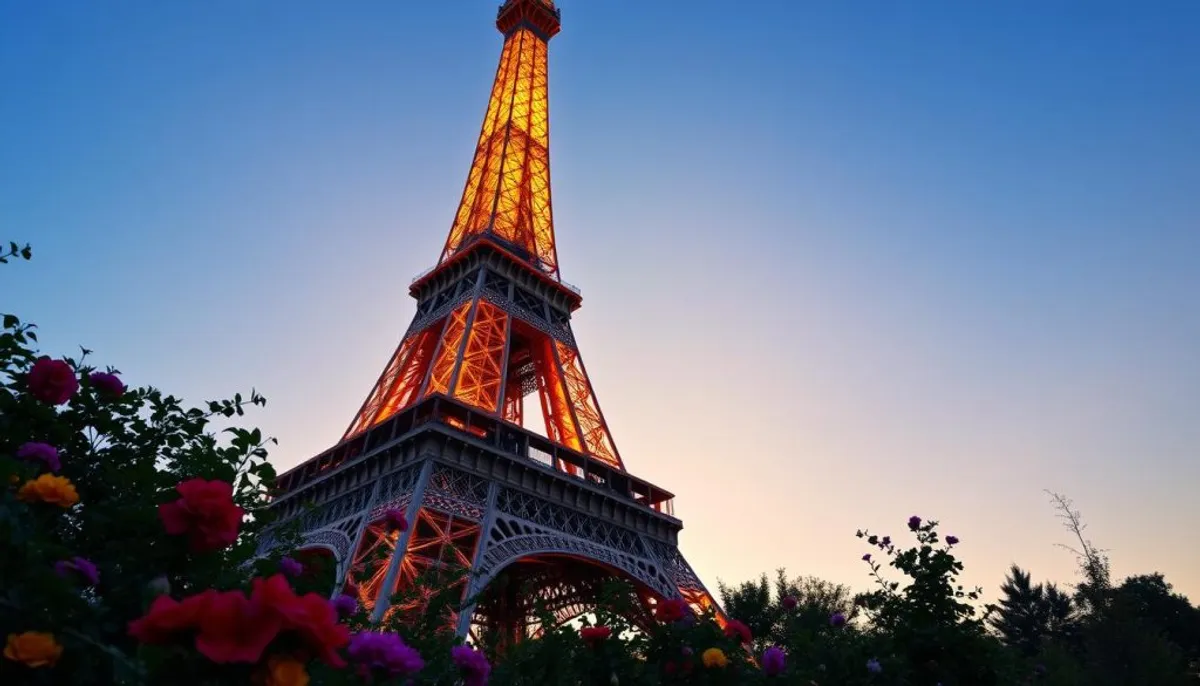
(714, 657)
(285, 671)
(33, 649)
(49, 488)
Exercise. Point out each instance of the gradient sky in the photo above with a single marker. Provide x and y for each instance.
(842, 262)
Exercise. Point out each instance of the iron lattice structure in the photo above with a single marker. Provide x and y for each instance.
(538, 520)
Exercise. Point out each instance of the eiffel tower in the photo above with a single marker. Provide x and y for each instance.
(542, 519)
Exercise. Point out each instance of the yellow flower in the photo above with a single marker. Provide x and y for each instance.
(284, 671)
(48, 488)
(33, 649)
(713, 657)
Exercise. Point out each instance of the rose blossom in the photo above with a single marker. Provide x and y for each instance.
(40, 451)
(205, 512)
(52, 381)
(473, 665)
(107, 384)
(773, 661)
(78, 566)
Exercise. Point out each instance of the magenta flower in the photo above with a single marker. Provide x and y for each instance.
(108, 384)
(395, 519)
(52, 381)
(345, 605)
(384, 652)
(40, 451)
(837, 620)
(290, 567)
(952, 540)
(914, 522)
(472, 664)
(789, 602)
(78, 567)
(867, 557)
(773, 661)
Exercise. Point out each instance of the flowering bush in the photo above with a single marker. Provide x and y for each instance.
(127, 541)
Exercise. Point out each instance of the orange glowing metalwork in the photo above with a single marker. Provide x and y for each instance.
(370, 409)
(397, 388)
(439, 541)
(480, 373)
(449, 350)
(507, 193)
(371, 560)
(556, 404)
(597, 441)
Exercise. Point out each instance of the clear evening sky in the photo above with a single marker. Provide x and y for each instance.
(842, 262)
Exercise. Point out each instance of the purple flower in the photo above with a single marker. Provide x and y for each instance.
(873, 540)
(773, 661)
(290, 567)
(867, 557)
(79, 567)
(473, 665)
(345, 605)
(873, 666)
(952, 540)
(1040, 670)
(107, 384)
(914, 522)
(887, 540)
(790, 602)
(837, 620)
(686, 651)
(395, 519)
(40, 451)
(384, 652)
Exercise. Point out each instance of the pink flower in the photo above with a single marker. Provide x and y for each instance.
(205, 512)
(52, 381)
(670, 610)
(773, 661)
(40, 451)
(789, 602)
(107, 384)
(290, 567)
(395, 519)
(80, 567)
(472, 664)
(914, 522)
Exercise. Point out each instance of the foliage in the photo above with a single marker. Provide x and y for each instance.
(128, 555)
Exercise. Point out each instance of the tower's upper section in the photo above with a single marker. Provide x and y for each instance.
(507, 196)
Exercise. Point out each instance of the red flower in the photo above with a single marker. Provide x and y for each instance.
(594, 635)
(52, 381)
(233, 629)
(205, 513)
(670, 610)
(735, 629)
(167, 617)
(311, 616)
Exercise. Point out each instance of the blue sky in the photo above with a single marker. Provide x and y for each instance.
(841, 262)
